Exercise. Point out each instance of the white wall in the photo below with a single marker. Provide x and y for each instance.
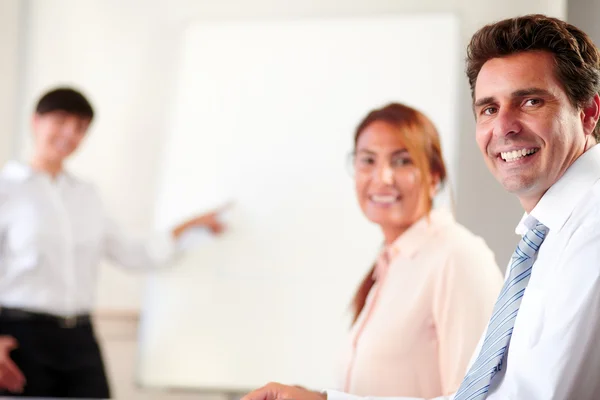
(10, 29)
(121, 53)
(282, 160)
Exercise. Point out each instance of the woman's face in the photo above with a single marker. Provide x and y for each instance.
(388, 184)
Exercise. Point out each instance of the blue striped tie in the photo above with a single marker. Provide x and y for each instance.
(489, 361)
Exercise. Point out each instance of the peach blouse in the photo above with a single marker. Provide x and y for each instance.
(425, 313)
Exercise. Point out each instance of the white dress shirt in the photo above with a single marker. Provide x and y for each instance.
(554, 352)
(53, 234)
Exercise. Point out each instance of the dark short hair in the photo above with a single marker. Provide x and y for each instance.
(65, 99)
(576, 57)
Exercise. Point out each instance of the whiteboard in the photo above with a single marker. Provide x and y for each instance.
(263, 114)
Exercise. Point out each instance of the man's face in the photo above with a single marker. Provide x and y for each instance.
(527, 129)
(58, 134)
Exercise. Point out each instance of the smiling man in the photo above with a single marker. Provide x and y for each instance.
(527, 125)
(534, 82)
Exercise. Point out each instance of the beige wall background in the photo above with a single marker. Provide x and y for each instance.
(121, 52)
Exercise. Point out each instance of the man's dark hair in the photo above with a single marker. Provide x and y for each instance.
(577, 59)
(65, 99)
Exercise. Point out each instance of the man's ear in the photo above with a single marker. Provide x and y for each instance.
(590, 114)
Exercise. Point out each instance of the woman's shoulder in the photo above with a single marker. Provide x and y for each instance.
(457, 236)
(460, 243)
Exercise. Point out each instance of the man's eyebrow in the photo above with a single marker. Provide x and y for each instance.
(485, 100)
(533, 91)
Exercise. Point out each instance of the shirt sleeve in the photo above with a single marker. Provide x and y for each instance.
(563, 359)
(463, 300)
(136, 253)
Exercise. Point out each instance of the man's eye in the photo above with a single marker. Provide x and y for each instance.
(533, 102)
(489, 111)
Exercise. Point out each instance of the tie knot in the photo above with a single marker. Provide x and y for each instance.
(539, 231)
(533, 239)
(541, 228)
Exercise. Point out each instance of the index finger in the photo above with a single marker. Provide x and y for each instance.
(258, 394)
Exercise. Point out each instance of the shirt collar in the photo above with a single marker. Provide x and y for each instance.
(415, 237)
(20, 172)
(557, 204)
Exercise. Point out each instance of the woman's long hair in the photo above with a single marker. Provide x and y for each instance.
(423, 144)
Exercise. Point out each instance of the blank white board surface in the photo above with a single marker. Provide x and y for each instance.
(263, 114)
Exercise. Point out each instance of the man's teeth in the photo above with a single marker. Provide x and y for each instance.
(386, 199)
(516, 154)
